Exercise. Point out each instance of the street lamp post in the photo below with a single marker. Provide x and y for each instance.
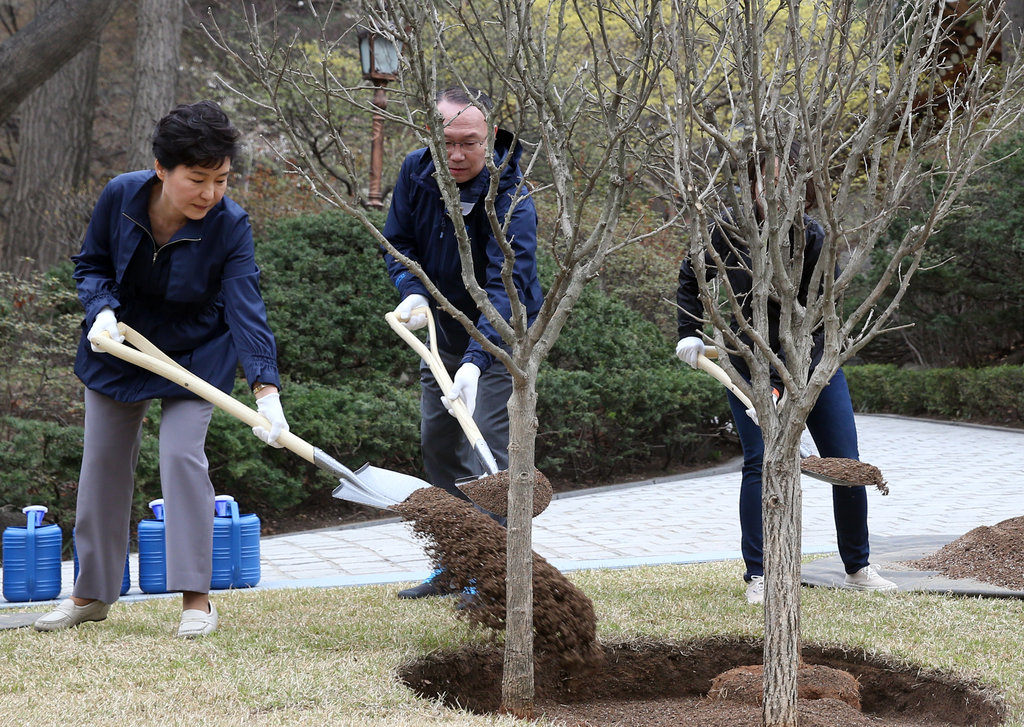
(380, 64)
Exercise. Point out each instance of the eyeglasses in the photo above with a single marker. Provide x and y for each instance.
(465, 147)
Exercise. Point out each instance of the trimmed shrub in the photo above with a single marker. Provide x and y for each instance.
(993, 395)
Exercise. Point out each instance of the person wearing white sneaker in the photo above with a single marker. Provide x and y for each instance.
(867, 579)
(830, 422)
(755, 589)
(169, 254)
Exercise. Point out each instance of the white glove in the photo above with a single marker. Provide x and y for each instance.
(269, 405)
(688, 349)
(464, 387)
(105, 321)
(752, 413)
(404, 311)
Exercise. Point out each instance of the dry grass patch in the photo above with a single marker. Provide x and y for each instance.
(328, 656)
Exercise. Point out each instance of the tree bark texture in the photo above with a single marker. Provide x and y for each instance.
(44, 212)
(154, 85)
(51, 39)
(517, 687)
(781, 518)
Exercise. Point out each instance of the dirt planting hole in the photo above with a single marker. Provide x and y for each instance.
(657, 684)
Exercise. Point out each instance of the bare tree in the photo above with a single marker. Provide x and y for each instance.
(157, 50)
(44, 212)
(51, 39)
(610, 64)
(858, 88)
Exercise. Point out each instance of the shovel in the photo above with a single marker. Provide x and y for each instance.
(368, 485)
(479, 490)
(433, 359)
(835, 471)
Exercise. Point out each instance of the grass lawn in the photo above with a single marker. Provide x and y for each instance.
(328, 656)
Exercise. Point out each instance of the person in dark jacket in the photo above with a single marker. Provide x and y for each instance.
(830, 422)
(171, 256)
(419, 226)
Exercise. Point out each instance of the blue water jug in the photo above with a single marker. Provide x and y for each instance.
(32, 558)
(126, 582)
(153, 551)
(236, 546)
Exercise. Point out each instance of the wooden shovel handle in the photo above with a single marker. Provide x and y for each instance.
(433, 359)
(148, 356)
(707, 365)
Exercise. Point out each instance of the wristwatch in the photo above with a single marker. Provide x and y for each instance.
(258, 387)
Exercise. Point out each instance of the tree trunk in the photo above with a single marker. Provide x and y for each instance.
(44, 210)
(517, 687)
(54, 37)
(157, 53)
(781, 516)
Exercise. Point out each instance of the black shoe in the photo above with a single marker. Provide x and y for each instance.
(467, 600)
(433, 586)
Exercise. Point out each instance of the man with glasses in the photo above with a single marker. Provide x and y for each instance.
(420, 227)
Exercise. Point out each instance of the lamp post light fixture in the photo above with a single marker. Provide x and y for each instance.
(379, 57)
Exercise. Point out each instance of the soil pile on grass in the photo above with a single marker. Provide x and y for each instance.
(845, 470)
(813, 681)
(991, 554)
(470, 546)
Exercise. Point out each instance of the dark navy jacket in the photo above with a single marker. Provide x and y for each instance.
(197, 298)
(737, 260)
(418, 225)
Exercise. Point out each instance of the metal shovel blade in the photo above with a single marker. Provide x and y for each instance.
(368, 485)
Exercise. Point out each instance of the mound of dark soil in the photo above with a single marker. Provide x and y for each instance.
(658, 684)
(991, 554)
(471, 548)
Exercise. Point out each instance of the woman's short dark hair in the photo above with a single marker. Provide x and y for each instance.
(465, 97)
(196, 135)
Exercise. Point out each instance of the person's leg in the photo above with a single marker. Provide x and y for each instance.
(188, 499)
(832, 425)
(751, 535)
(113, 432)
(113, 435)
(447, 456)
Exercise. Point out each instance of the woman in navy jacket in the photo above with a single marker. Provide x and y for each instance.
(169, 255)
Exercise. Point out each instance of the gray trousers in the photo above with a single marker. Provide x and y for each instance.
(113, 435)
(447, 454)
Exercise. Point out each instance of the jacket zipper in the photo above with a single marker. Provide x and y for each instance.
(156, 250)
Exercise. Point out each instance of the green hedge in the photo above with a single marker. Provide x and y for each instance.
(612, 398)
(992, 395)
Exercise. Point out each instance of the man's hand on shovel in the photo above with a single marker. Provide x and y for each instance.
(464, 386)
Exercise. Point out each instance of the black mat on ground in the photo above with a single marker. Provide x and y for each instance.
(890, 555)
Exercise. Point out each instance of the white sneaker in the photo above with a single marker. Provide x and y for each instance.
(867, 579)
(68, 614)
(755, 589)
(195, 623)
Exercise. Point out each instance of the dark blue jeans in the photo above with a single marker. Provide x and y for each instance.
(834, 431)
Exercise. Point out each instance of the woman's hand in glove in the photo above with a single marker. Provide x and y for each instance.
(105, 321)
(269, 405)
